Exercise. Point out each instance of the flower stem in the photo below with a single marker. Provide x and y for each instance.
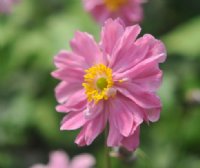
(107, 151)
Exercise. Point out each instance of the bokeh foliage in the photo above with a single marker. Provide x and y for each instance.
(29, 125)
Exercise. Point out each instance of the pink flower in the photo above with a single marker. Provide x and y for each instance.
(6, 5)
(130, 11)
(59, 159)
(113, 82)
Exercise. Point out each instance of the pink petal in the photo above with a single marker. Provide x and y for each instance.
(137, 112)
(93, 109)
(80, 139)
(91, 130)
(100, 13)
(154, 54)
(125, 51)
(90, 4)
(153, 115)
(95, 127)
(156, 47)
(6, 5)
(148, 79)
(73, 121)
(71, 75)
(132, 142)
(65, 90)
(69, 59)
(132, 13)
(85, 46)
(129, 57)
(58, 159)
(129, 36)
(141, 67)
(143, 99)
(114, 137)
(79, 105)
(83, 161)
(147, 100)
(111, 33)
(76, 102)
(122, 118)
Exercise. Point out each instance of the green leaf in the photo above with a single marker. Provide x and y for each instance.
(185, 39)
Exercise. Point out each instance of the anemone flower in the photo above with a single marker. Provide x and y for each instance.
(6, 5)
(111, 84)
(130, 11)
(59, 159)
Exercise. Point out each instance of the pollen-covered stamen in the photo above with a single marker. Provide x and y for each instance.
(98, 83)
(114, 5)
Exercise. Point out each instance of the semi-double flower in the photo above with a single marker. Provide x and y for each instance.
(6, 5)
(59, 159)
(110, 84)
(130, 11)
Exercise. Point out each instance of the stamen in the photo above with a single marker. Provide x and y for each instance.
(98, 83)
(114, 5)
(111, 92)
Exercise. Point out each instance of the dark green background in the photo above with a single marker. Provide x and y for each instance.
(29, 125)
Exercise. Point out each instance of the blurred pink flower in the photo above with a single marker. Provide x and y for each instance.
(130, 11)
(59, 159)
(111, 82)
(6, 5)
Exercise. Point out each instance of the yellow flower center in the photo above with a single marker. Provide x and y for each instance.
(114, 5)
(98, 83)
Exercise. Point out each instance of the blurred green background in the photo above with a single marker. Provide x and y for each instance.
(29, 125)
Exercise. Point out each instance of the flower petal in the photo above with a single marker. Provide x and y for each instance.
(137, 112)
(128, 57)
(68, 59)
(111, 33)
(153, 115)
(114, 137)
(91, 130)
(150, 53)
(100, 13)
(95, 127)
(89, 5)
(140, 68)
(71, 75)
(93, 109)
(58, 159)
(124, 116)
(125, 48)
(77, 106)
(132, 142)
(146, 100)
(73, 121)
(76, 102)
(132, 13)
(64, 90)
(149, 79)
(85, 46)
(83, 161)
(156, 47)
(80, 139)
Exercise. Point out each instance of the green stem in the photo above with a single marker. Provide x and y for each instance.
(107, 152)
